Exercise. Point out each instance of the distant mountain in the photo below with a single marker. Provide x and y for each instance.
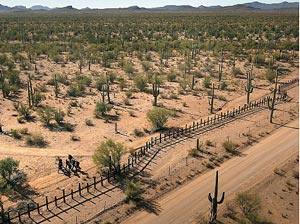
(65, 9)
(264, 6)
(4, 8)
(175, 8)
(39, 7)
(247, 7)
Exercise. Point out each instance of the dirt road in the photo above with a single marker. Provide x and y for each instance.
(237, 174)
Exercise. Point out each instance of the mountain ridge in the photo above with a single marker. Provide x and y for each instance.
(251, 6)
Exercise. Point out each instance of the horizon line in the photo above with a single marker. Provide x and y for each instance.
(68, 5)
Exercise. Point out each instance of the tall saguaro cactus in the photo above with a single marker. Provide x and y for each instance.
(214, 202)
(220, 71)
(30, 92)
(272, 107)
(211, 101)
(248, 86)
(155, 92)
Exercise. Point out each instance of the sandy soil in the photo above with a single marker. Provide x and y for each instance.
(40, 164)
(257, 163)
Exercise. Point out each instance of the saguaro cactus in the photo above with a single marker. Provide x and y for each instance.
(30, 92)
(193, 82)
(56, 89)
(248, 86)
(272, 106)
(211, 101)
(214, 202)
(220, 71)
(155, 92)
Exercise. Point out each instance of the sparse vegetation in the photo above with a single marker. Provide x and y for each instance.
(36, 140)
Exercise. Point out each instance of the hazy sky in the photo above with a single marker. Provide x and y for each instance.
(124, 3)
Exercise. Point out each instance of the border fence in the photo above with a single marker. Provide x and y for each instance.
(133, 160)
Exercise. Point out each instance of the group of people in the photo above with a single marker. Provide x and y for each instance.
(72, 165)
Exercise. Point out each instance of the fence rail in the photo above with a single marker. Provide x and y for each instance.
(201, 125)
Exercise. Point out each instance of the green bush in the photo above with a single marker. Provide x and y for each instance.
(206, 81)
(101, 109)
(158, 117)
(36, 140)
(46, 115)
(140, 82)
(248, 203)
(230, 146)
(270, 75)
(76, 90)
(171, 77)
(15, 133)
(109, 153)
(133, 191)
(59, 116)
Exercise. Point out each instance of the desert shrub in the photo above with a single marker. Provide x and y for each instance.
(140, 82)
(158, 117)
(209, 143)
(183, 84)
(248, 203)
(259, 59)
(15, 133)
(109, 153)
(230, 146)
(270, 75)
(209, 165)
(173, 96)
(76, 90)
(111, 76)
(101, 109)
(128, 94)
(236, 71)
(128, 67)
(137, 132)
(83, 80)
(231, 211)
(46, 115)
(221, 97)
(148, 57)
(194, 152)
(23, 131)
(89, 122)
(206, 81)
(146, 66)
(133, 191)
(7, 167)
(23, 110)
(59, 116)
(62, 78)
(100, 82)
(171, 77)
(36, 140)
(122, 84)
(69, 127)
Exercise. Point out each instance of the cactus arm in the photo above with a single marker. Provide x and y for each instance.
(210, 198)
(222, 198)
